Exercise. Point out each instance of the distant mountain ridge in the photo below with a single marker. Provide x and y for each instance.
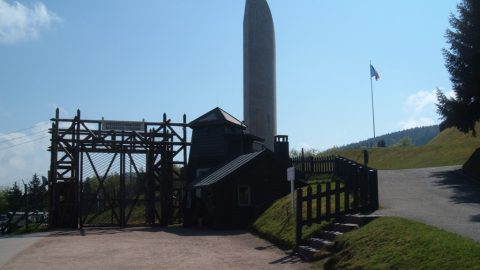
(419, 136)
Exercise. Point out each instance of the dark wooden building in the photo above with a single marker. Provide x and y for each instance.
(217, 137)
(230, 184)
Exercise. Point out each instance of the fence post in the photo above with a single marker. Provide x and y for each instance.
(309, 205)
(303, 162)
(312, 166)
(346, 192)
(337, 197)
(335, 167)
(355, 189)
(298, 228)
(319, 202)
(327, 200)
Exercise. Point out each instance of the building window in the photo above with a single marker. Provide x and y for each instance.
(244, 196)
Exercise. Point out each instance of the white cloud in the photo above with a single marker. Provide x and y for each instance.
(423, 100)
(24, 153)
(19, 22)
(420, 100)
(416, 122)
(421, 109)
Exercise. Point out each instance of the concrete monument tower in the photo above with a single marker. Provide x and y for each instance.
(259, 80)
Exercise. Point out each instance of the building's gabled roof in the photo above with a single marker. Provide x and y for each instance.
(217, 115)
(217, 175)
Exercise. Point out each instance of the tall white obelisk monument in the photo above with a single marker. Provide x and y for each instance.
(259, 79)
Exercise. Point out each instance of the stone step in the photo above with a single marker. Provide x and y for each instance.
(320, 243)
(344, 227)
(358, 219)
(329, 235)
(310, 254)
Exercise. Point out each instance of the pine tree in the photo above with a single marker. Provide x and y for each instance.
(3, 201)
(37, 194)
(463, 64)
(15, 198)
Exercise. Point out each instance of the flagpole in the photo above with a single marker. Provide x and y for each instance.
(373, 109)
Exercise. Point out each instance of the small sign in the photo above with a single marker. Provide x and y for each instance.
(291, 174)
(123, 125)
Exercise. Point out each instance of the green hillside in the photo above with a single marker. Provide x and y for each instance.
(450, 147)
(419, 136)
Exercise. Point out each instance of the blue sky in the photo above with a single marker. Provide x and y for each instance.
(133, 60)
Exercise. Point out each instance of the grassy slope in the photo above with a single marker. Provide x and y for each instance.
(396, 243)
(277, 223)
(450, 147)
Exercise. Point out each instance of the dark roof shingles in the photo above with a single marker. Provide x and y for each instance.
(225, 170)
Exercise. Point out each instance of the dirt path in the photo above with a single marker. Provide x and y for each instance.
(146, 248)
(11, 245)
(442, 197)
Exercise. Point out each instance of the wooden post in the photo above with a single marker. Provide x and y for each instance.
(80, 192)
(303, 162)
(309, 205)
(319, 202)
(76, 173)
(312, 166)
(355, 191)
(327, 202)
(150, 183)
(337, 197)
(298, 227)
(346, 192)
(122, 192)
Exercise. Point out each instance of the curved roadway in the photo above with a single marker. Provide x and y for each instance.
(443, 197)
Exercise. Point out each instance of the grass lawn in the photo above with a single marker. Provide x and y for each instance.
(397, 243)
(450, 147)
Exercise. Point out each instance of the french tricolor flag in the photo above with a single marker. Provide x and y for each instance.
(374, 73)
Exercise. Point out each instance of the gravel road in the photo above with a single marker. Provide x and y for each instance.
(147, 248)
(442, 197)
(11, 245)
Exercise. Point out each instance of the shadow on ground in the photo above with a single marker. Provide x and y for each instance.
(464, 189)
(177, 230)
(475, 218)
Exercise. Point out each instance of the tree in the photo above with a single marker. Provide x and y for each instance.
(381, 143)
(3, 201)
(37, 194)
(404, 142)
(463, 64)
(15, 198)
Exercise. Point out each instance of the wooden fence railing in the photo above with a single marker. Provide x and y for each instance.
(314, 165)
(354, 188)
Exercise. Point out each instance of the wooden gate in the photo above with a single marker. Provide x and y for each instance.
(106, 172)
